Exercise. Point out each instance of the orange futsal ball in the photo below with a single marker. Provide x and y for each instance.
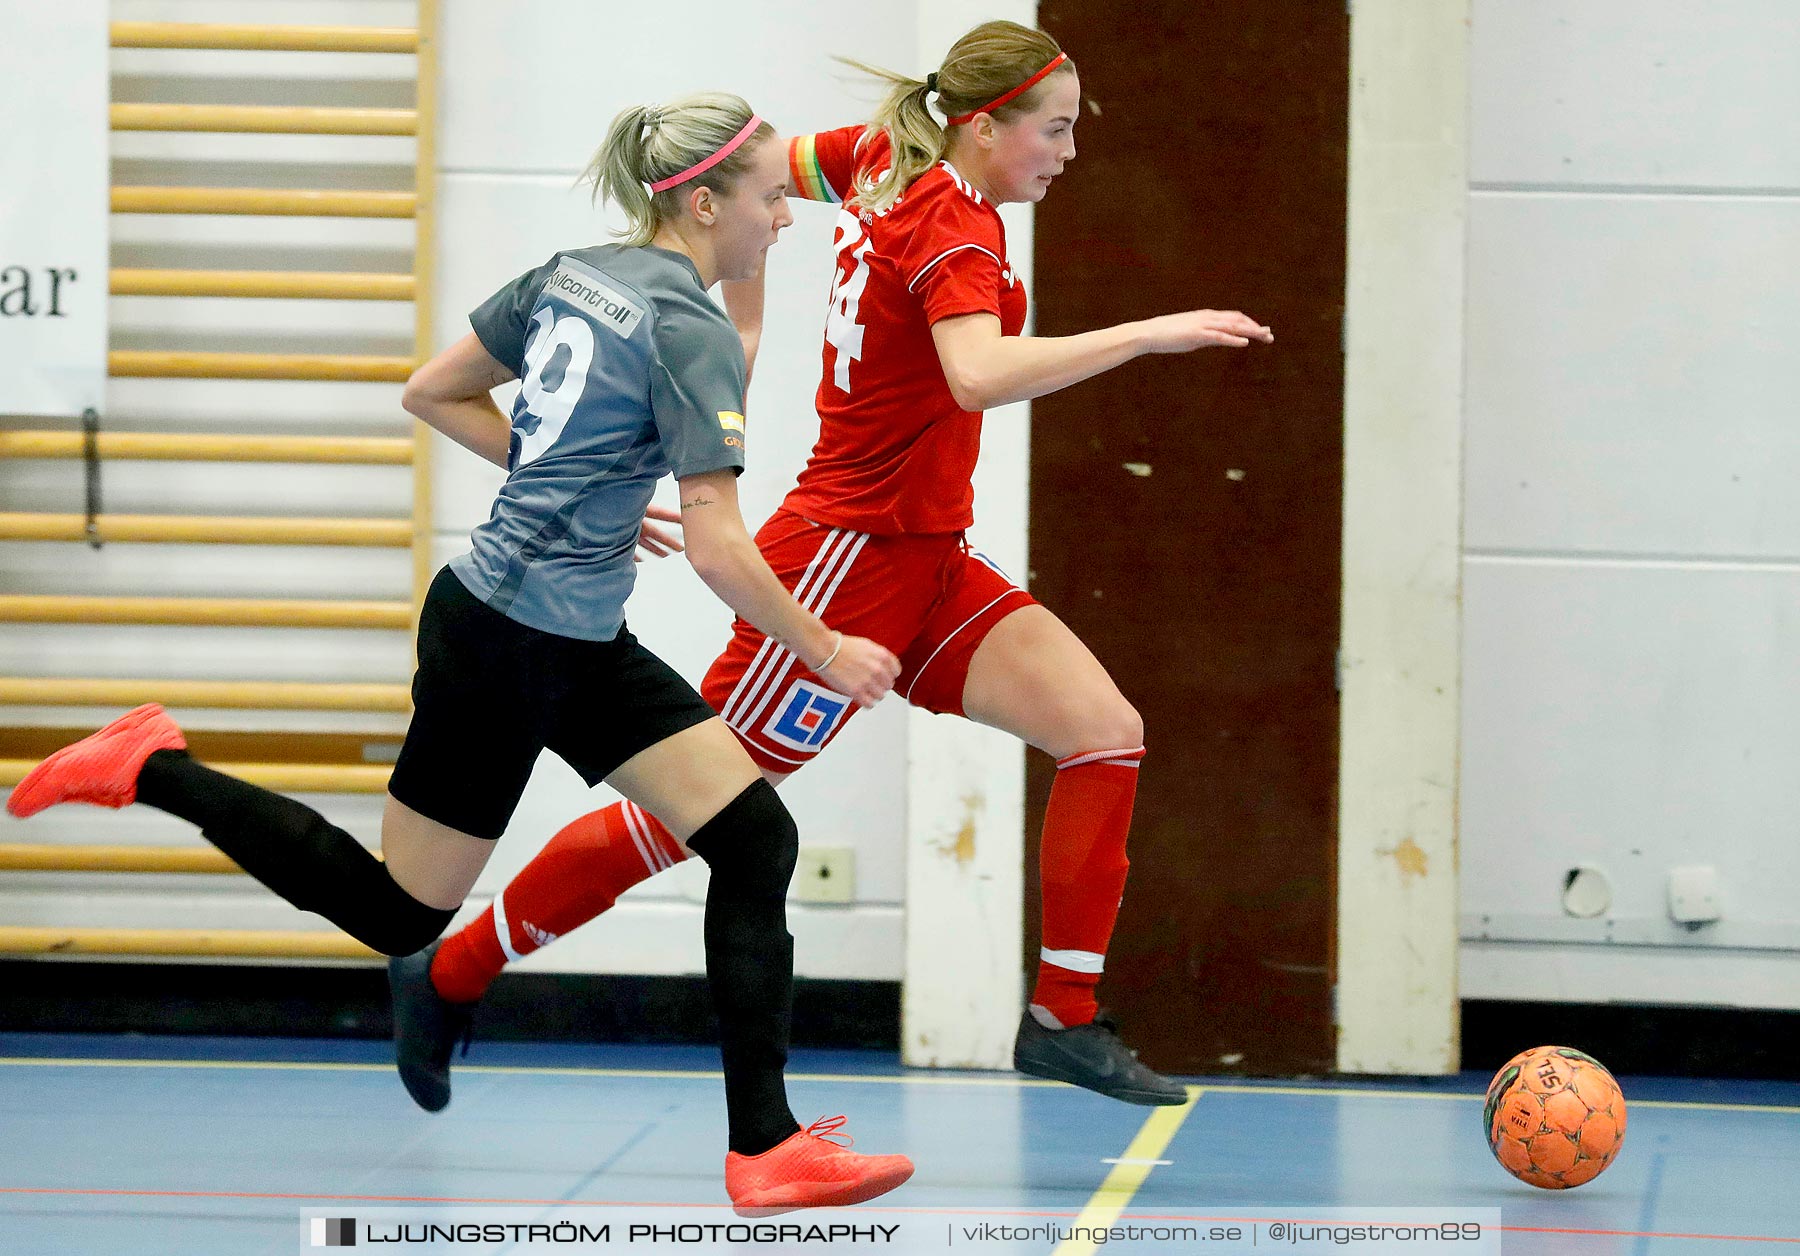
(1555, 1117)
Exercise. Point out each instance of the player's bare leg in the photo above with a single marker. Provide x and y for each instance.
(1033, 678)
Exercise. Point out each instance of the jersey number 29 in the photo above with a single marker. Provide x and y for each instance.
(543, 411)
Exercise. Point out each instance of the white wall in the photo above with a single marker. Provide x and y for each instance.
(525, 95)
(1632, 561)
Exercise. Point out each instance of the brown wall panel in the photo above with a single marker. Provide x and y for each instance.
(1211, 171)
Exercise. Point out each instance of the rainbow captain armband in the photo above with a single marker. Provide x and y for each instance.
(808, 175)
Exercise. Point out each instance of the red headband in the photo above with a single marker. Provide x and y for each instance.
(1020, 90)
(731, 146)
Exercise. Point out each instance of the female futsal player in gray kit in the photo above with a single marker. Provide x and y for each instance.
(629, 373)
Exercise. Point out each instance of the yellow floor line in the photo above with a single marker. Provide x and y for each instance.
(1135, 1163)
(1008, 1080)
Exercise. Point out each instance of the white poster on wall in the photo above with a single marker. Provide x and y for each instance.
(53, 206)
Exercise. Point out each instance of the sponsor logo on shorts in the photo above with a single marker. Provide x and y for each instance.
(731, 420)
(804, 720)
(732, 442)
(582, 287)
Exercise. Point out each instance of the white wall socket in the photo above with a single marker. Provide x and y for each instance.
(825, 874)
(1694, 895)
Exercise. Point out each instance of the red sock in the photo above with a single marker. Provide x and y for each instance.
(578, 875)
(1083, 865)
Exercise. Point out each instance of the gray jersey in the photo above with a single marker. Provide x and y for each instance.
(630, 373)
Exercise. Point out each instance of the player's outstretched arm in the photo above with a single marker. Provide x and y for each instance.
(452, 393)
(726, 558)
(986, 369)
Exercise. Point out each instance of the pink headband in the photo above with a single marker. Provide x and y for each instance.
(731, 146)
(1020, 90)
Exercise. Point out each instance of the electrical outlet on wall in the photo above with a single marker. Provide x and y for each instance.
(1694, 898)
(825, 874)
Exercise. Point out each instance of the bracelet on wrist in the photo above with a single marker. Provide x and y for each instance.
(832, 657)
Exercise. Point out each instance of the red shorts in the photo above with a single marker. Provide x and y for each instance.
(929, 599)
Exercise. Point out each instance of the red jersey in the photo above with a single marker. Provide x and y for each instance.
(895, 452)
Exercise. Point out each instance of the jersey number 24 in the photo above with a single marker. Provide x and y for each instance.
(842, 332)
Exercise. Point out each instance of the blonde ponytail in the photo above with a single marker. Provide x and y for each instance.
(917, 139)
(648, 143)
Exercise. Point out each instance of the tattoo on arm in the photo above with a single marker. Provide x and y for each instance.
(697, 501)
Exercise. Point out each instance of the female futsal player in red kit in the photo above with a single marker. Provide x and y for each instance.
(921, 336)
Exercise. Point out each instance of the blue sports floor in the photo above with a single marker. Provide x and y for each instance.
(142, 1146)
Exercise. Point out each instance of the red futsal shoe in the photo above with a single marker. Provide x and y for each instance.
(102, 768)
(807, 1171)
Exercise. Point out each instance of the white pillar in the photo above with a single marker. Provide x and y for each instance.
(961, 999)
(1401, 647)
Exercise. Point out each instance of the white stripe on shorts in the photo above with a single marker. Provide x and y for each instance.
(820, 600)
(767, 653)
(830, 577)
(914, 684)
(1074, 961)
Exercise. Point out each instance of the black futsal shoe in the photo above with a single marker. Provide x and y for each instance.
(427, 1027)
(1092, 1057)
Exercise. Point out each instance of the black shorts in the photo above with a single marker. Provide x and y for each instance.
(491, 694)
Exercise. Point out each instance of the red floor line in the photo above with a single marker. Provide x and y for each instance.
(486, 1201)
(1649, 1234)
(1505, 1229)
(354, 1199)
(614, 1203)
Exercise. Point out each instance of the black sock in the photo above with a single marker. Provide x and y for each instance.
(294, 851)
(751, 847)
